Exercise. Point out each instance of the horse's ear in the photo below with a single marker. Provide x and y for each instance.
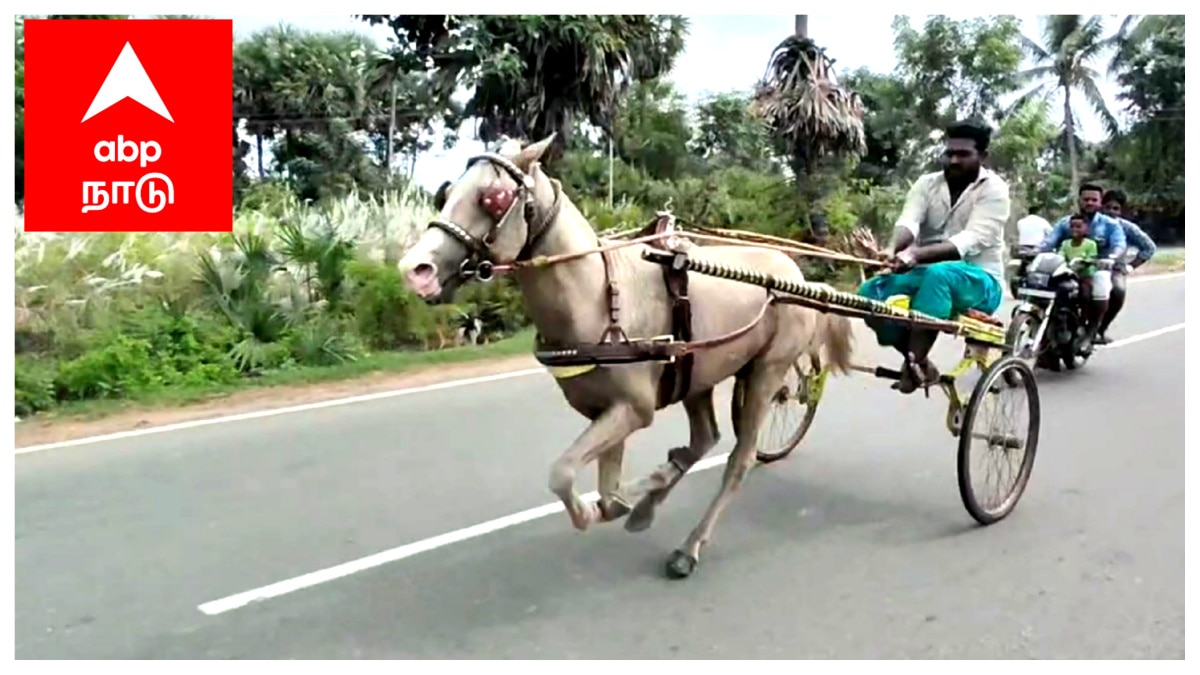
(534, 151)
(439, 197)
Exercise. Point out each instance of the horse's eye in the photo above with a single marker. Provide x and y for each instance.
(439, 197)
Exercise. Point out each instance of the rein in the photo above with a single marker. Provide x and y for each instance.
(614, 347)
(501, 203)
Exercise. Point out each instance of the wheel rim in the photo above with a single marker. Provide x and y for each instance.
(997, 472)
(1022, 343)
(789, 407)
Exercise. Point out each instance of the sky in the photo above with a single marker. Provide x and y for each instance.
(722, 53)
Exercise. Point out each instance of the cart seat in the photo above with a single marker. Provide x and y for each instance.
(904, 302)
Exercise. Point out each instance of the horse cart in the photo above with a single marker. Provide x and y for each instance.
(739, 309)
(971, 417)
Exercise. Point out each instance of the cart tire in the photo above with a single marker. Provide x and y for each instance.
(1009, 372)
(799, 397)
(1021, 331)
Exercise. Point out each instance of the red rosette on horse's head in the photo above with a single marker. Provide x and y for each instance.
(497, 199)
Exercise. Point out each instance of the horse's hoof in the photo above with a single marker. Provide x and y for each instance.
(642, 516)
(680, 565)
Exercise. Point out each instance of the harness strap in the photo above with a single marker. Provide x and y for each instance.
(677, 376)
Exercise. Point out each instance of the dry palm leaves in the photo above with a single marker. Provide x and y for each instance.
(799, 100)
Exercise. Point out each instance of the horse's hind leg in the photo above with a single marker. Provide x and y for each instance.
(613, 426)
(652, 490)
(760, 384)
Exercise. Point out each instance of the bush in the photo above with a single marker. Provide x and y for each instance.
(151, 350)
(34, 387)
(388, 316)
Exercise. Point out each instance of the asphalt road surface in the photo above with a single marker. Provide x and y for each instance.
(856, 547)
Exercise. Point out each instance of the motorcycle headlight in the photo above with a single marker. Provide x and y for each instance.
(1037, 279)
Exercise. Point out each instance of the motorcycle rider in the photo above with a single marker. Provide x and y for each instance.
(1031, 232)
(1110, 240)
(1114, 205)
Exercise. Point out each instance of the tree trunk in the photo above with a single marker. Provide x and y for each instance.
(803, 168)
(258, 139)
(1072, 155)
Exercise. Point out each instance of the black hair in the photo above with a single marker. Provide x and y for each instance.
(1114, 196)
(1078, 216)
(978, 132)
(1090, 187)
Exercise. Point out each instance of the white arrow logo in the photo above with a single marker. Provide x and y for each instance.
(127, 79)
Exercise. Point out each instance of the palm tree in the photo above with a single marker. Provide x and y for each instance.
(1135, 32)
(1063, 63)
(807, 112)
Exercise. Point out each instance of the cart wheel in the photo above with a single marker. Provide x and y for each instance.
(1003, 440)
(1019, 338)
(792, 410)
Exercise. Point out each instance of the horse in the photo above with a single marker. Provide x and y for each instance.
(504, 211)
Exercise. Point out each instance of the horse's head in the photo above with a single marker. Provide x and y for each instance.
(491, 216)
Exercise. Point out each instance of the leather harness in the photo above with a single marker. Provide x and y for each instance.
(614, 347)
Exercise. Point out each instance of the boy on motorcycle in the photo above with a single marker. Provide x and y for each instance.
(1081, 253)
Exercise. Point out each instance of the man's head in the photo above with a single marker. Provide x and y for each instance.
(1090, 198)
(1079, 226)
(966, 148)
(1114, 203)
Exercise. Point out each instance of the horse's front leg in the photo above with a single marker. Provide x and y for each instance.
(608, 430)
(612, 504)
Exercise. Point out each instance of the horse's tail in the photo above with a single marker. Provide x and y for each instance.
(838, 339)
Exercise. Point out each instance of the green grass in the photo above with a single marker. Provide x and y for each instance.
(381, 362)
(1164, 263)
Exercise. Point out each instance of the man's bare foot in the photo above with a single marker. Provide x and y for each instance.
(915, 376)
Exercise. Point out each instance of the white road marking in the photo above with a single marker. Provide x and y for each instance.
(346, 569)
(1133, 339)
(408, 550)
(180, 426)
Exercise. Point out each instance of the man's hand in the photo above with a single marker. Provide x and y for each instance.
(904, 260)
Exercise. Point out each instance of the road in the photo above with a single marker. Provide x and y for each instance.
(856, 547)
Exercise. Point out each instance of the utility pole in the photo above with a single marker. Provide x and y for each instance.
(391, 132)
(610, 170)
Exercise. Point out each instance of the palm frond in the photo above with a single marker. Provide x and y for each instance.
(1092, 93)
(801, 102)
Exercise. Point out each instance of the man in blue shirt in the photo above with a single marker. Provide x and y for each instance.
(1110, 240)
(1114, 205)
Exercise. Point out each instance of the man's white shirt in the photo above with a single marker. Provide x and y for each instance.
(1031, 230)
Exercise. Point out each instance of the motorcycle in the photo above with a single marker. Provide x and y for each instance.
(1022, 256)
(1049, 321)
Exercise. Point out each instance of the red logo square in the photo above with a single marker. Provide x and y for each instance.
(128, 125)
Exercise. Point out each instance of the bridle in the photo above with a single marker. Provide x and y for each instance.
(499, 202)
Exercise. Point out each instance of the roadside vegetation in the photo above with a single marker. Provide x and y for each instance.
(306, 289)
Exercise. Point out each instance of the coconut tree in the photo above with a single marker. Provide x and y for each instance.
(1063, 63)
